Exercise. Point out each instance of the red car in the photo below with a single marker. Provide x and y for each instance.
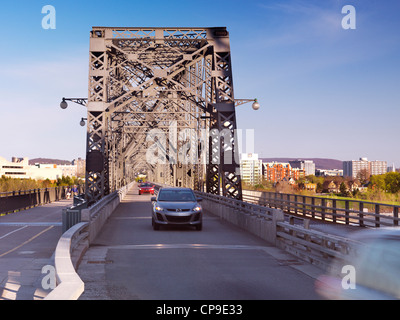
(146, 188)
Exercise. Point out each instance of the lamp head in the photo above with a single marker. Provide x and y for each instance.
(256, 105)
(63, 104)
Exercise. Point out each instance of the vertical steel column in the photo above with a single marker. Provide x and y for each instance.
(97, 180)
(223, 170)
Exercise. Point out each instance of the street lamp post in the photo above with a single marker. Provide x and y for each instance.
(255, 104)
(81, 101)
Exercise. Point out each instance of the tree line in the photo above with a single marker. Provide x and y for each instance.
(8, 184)
(384, 187)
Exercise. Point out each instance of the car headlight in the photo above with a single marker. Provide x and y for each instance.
(197, 208)
(158, 208)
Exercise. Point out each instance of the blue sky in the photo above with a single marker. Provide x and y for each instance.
(324, 91)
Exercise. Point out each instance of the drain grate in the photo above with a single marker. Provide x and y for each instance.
(289, 262)
(100, 261)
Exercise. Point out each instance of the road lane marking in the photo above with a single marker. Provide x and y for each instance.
(186, 246)
(30, 224)
(27, 241)
(2, 237)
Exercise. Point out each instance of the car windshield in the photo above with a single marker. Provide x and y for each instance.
(146, 185)
(176, 195)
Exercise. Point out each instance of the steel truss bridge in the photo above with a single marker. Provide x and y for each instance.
(161, 102)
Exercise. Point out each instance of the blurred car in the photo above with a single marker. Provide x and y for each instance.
(146, 188)
(176, 206)
(376, 269)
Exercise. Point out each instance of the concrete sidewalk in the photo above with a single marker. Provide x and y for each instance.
(27, 243)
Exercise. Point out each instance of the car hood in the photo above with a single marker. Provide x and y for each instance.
(176, 205)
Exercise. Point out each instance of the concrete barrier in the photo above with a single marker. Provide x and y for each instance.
(260, 221)
(98, 214)
(75, 241)
(269, 224)
(69, 284)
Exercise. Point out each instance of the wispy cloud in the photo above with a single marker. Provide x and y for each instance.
(302, 22)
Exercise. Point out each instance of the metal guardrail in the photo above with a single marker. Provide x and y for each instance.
(344, 211)
(279, 229)
(21, 200)
(313, 246)
(72, 215)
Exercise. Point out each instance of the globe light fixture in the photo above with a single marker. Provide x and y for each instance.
(82, 122)
(63, 104)
(256, 105)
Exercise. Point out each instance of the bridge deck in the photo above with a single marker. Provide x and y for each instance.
(129, 260)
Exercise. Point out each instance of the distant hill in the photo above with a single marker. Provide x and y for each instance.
(48, 161)
(320, 163)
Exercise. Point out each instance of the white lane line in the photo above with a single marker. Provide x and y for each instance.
(186, 246)
(31, 224)
(27, 241)
(13, 232)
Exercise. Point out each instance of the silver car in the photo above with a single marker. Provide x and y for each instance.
(176, 206)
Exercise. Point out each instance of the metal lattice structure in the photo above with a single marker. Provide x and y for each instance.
(161, 102)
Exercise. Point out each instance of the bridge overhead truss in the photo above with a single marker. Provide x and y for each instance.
(161, 102)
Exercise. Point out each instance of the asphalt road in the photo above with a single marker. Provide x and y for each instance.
(129, 260)
(27, 242)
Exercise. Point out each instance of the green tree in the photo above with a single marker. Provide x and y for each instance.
(392, 182)
(378, 182)
(343, 190)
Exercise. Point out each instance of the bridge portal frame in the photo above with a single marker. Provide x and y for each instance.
(142, 79)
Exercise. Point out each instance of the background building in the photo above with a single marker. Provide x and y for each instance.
(279, 171)
(19, 168)
(354, 168)
(250, 168)
(68, 170)
(328, 173)
(377, 167)
(45, 171)
(80, 167)
(307, 165)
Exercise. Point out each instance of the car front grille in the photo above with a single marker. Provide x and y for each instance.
(178, 210)
(178, 219)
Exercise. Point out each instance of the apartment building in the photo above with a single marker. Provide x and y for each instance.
(279, 171)
(378, 167)
(353, 168)
(307, 165)
(250, 168)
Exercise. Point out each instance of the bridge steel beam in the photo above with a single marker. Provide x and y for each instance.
(161, 102)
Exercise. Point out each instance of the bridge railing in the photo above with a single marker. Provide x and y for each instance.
(21, 200)
(344, 211)
(279, 229)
